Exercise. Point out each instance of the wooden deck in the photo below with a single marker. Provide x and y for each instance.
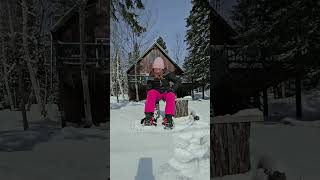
(69, 53)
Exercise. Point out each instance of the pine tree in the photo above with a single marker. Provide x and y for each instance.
(198, 39)
(162, 43)
(125, 9)
(282, 31)
(136, 52)
(286, 29)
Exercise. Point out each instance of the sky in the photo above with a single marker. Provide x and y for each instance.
(169, 18)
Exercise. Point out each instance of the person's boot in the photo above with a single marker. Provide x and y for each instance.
(149, 120)
(168, 121)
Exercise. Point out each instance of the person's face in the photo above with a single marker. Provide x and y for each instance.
(157, 71)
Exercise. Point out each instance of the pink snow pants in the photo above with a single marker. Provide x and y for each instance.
(154, 95)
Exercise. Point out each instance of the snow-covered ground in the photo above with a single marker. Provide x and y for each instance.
(153, 153)
(48, 152)
(286, 144)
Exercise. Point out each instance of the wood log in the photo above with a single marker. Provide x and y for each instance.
(181, 107)
(230, 149)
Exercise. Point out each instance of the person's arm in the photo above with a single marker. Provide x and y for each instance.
(176, 81)
(149, 83)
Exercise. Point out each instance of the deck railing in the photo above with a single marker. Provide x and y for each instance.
(236, 54)
(142, 79)
(69, 52)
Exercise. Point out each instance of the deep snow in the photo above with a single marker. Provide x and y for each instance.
(153, 153)
(48, 152)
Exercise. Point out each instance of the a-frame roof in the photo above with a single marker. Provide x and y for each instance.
(155, 44)
(223, 21)
(68, 15)
(64, 18)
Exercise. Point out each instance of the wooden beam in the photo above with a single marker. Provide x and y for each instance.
(84, 70)
(203, 92)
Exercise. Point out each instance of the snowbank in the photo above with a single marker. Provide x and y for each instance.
(286, 107)
(191, 157)
(48, 152)
(131, 143)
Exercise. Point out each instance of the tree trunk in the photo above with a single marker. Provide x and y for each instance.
(111, 88)
(136, 83)
(283, 89)
(111, 82)
(84, 71)
(230, 152)
(118, 71)
(8, 89)
(12, 43)
(203, 92)
(181, 108)
(111, 78)
(22, 103)
(265, 103)
(117, 93)
(192, 94)
(6, 79)
(45, 87)
(34, 82)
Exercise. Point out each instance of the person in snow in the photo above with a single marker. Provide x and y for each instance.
(161, 85)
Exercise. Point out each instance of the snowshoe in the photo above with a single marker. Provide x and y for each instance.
(149, 120)
(168, 122)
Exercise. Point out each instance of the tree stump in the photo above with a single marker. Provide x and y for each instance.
(181, 108)
(230, 148)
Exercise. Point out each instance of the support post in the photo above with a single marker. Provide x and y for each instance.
(84, 70)
(298, 97)
(265, 103)
(203, 92)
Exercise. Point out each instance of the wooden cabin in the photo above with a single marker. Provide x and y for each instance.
(241, 75)
(143, 67)
(66, 62)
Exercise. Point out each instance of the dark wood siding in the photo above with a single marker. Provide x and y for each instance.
(145, 65)
(71, 101)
